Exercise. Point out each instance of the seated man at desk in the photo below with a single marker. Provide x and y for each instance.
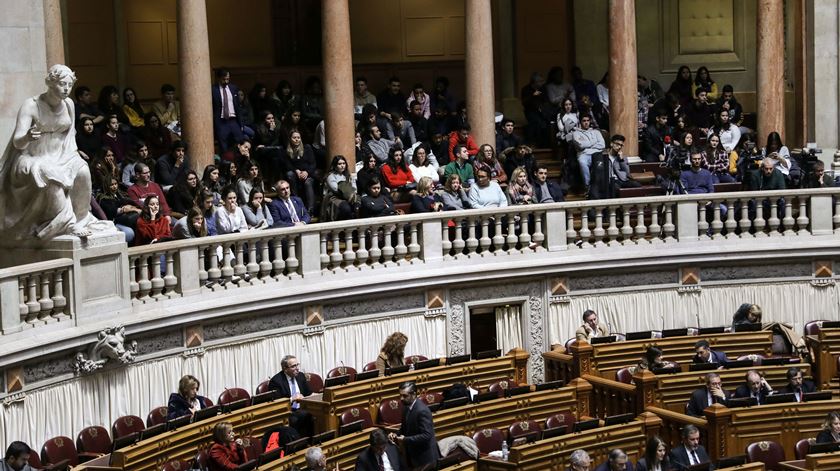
(292, 384)
(797, 385)
(380, 455)
(703, 353)
(690, 452)
(579, 460)
(616, 461)
(591, 327)
(754, 386)
(17, 458)
(704, 397)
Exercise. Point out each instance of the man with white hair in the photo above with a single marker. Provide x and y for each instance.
(316, 460)
(579, 460)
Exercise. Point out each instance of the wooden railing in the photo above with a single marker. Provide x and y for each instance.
(825, 348)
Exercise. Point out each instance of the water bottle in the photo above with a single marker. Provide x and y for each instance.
(505, 451)
(411, 367)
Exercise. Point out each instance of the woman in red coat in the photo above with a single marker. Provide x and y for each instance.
(226, 453)
(152, 226)
(397, 176)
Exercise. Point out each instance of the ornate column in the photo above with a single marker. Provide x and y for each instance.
(481, 101)
(338, 80)
(54, 32)
(771, 69)
(194, 73)
(623, 89)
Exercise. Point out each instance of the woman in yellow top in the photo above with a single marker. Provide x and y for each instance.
(132, 109)
(703, 80)
(392, 353)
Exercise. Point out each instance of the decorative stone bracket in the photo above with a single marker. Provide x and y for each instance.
(111, 345)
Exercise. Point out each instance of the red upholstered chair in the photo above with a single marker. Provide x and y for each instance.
(356, 413)
(94, 441)
(802, 447)
(341, 371)
(500, 387)
(262, 387)
(624, 376)
(755, 357)
(523, 428)
(431, 398)
(35, 461)
(813, 328)
(126, 425)
(369, 366)
(253, 447)
(59, 449)
(206, 402)
(176, 465)
(233, 394)
(488, 439)
(414, 359)
(767, 452)
(316, 383)
(558, 420)
(157, 416)
(202, 460)
(390, 412)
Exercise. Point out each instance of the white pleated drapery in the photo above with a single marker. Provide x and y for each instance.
(795, 303)
(101, 398)
(508, 327)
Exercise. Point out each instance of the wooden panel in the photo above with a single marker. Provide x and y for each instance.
(706, 26)
(712, 33)
(91, 42)
(425, 37)
(241, 37)
(825, 349)
(146, 40)
(544, 38)
(172, 42)
(456, 41)
(464, 466)
(342, 451)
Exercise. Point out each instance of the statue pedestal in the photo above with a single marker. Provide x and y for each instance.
(98, 284)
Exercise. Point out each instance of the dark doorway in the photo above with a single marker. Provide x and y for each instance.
(483, 334)
(297, 32)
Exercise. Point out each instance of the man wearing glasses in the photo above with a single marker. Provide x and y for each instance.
(292, 383)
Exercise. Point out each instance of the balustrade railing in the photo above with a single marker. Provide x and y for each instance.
(38, 293)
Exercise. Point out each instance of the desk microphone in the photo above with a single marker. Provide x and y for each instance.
(697, 315)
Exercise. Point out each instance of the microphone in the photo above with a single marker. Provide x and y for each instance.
(662, 316)
(667, 146)
(697, 315)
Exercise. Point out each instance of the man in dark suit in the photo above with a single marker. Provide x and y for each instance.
(691, 452)
(292, 383)
(287, 210)
(381, 454)
(417, 432)
(703, 353)
(616, 461)
(227, 124)
(796, 385)
(545, 190)
(754, 386)
(704, 397)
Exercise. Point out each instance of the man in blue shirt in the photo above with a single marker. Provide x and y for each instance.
(696, 179)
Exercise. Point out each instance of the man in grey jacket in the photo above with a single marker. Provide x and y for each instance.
(17, 458)
(379, 145)
(587, 141)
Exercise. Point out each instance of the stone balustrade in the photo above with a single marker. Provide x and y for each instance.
(34, 294)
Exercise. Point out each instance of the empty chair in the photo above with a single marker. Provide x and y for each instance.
(390, 412)
(523, 428)
(767, 452)
(813, 327)
(488, 439)
(262, 388)
(500, 387)
(431, 398)
(157, 416)
(802, 447)
(341, 371)
(356, 413)
(370, 366)
(562, 419)
(414, 359)
(232, 395)
(316, 383)
(624, 376)
(176, 465)
(253, 447)
(58, 449)
(93, 441)
(126, 425)
(754, 357)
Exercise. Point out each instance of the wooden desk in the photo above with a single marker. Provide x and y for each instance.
(825, 348)
(185, 442)
(817, 462)
(369, 393)
(462, 466)
(605, 359)
(797, 465)
(671, 391)
(758, 466)
(553, 453)
(342, 450)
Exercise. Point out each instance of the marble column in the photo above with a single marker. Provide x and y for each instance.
(481, 101)
(54, 33)
(770, 69)
(195, 75)
(338, 80)
(624, 100)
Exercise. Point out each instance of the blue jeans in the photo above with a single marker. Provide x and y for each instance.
(585, 161)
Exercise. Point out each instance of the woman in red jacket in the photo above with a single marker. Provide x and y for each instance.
(226, 453)
(152, 226)
(397, 176)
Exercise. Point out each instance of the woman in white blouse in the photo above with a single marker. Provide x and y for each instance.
(230, 218)
(421, 166)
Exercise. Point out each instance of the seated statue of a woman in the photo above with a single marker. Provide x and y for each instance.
(45, 186)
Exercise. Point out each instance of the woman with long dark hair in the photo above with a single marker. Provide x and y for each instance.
(120, 208)
(109, 104)
(703, 80)
(181, 197)
(249, 178)
(191, 226)
(133, 110)
(682, 86)
(340, 197)
(397, 176)
(782, 153)
(152, 226)
(656, 456)
(256, 211)
(156, 136)
(88, 139)
(299, 162)
(717, 160)
(284, 98)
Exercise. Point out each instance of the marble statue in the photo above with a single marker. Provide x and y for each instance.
(45, 186)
